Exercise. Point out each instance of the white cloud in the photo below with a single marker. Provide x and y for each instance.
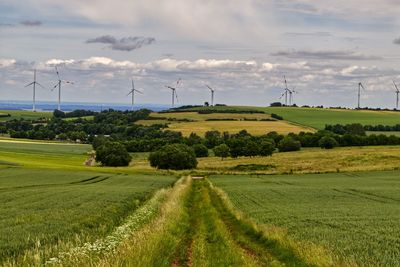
(7, 62)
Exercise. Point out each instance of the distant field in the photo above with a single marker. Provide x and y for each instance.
(318, 118)
(384, 132)
(22, 114)
(253, 127)
(310, 160)
(356, 215)
(230, 122)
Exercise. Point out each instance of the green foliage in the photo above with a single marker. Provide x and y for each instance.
(288, 144)
(266, 148)
(58, 114)
(200, 150)
(276, 116)
(113, 154)
(328, 142)
(173, 157)
(222, 151)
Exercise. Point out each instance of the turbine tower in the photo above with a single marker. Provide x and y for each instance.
(34, 90)
(359, 93)
(212, 94)
(59, 88)
(173, 90)
(291, 92)
(397, 95)
(133, 90)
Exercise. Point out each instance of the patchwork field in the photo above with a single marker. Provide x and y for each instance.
(254, 123)
(355, 215)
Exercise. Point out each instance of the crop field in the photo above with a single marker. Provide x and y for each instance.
(388, 133)
(49, 198)
(309, 160)
(252, 127)
(318, 118)
(202, 117)
(20, 114)
(354, 215)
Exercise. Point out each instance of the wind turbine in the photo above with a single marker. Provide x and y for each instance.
(212, 94)
(286, 91)
(34, 90)
(397, 95)
(133, 90)
(359, 93)
(291, 92)
(59, 88)
(174, 94)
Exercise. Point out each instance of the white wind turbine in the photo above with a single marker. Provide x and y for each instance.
(34, 90)
(59, 88)
(359, 94)
(397, 95)
(212, 94)
(133, 90)
(174, 93)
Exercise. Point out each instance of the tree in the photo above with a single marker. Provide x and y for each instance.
(221, 151)
(113, 154)
(266, 148)
(288, 144)
(174, 157)
(200, 150)
(355, 129)
(328, 142)
(58, 114)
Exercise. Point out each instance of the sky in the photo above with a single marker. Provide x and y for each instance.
(242, 49)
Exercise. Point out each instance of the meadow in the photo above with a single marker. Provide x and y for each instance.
(354, 215)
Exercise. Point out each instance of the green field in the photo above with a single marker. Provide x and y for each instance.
(50, 198)
(318, 118)
(22, 114)
(355, 215)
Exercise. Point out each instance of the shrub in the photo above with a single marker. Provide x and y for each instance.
(173, 157)
(200, 150)
(288, 144)
(221, 151)
(113, 154)
(328, 142)
(58, 114)
(276, 116)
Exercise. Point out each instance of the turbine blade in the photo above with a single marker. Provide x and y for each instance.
(140, 92)
(29, 84)
(40, 85)
(130, 92)
(58, 75)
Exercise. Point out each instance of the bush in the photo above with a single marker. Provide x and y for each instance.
(58, 114)
(328, 142)
(276, 116)
(221, 151)
(113, 154)
(200, 150)
(288, 144)
(174, 157)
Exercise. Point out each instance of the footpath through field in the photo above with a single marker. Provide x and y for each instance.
(195, 226)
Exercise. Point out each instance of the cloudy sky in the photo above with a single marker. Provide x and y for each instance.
(240, 48)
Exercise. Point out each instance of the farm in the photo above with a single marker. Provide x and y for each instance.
(313, 207)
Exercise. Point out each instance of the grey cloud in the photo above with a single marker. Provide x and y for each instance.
(31, 23)
(316, 34)
(123, 44)
(336, 55)
(397, 41)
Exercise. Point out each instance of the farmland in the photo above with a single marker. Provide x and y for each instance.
(318, 118)
(18, 114)
(355, 215)
(254, 123)
(50, 198)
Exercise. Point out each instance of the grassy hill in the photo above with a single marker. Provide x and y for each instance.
(318, 118)
(23, 114)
